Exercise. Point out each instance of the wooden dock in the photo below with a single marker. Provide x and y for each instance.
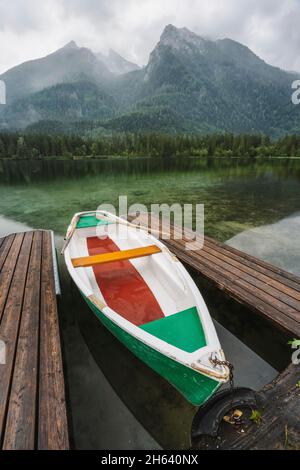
(32, 393)
(263, 288)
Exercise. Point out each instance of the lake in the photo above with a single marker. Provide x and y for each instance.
(115, 401)
(237, 194)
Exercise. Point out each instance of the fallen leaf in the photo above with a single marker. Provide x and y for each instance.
(234, 417)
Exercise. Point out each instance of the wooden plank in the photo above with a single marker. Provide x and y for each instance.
(273, 272)
(9, 326)
(4, 250)
(275, 289)
(280, 287)
(277, 274)
(246, 263)
(2, 240)
(8, 268)
(275, 297)
(21, 417)
(87, 261)
(280, 282)
(244, 258)
(264, 264)
(52, 423)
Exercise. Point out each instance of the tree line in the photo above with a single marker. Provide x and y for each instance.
(22, 146)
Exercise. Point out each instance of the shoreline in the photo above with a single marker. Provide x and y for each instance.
(145, 157)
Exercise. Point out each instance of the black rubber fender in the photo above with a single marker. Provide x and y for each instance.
(209, 416)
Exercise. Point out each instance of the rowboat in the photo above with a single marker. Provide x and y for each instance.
(141, 292)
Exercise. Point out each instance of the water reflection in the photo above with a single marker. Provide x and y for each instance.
(278, 243)
(27, 171)
(238, 195)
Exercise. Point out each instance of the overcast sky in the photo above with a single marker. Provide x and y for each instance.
(33, 28)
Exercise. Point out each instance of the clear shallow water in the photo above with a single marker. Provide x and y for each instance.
(115, 400)
(237, 195)
(278, 243)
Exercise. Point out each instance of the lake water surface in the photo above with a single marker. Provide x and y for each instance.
(116, 401)
(238, 195)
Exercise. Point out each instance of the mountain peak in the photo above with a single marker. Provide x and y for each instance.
(169, 29)
(181, 38)
(70, 45)
(171, 32)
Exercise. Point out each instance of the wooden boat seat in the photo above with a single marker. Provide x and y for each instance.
(88, 261)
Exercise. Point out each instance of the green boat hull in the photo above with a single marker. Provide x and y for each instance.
(194, 386)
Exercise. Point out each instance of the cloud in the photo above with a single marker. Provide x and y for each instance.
(31, 28)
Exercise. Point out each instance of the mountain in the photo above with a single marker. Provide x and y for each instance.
(218, 85)
(190, 84)
(66, 102)
(67, 65)
(116, 63)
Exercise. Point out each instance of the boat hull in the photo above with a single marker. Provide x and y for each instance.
(196, 387)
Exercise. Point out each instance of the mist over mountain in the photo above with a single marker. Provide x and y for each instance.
(69, 64)
(116, 63)
(63, 102)
(190, 84)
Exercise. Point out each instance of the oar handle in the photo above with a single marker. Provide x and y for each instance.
(70, 233)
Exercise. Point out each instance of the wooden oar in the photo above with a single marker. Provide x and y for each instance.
(88, 261)
(70, 233)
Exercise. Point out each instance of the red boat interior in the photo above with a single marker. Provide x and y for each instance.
(122, 286)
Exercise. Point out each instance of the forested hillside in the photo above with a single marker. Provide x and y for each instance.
(20, 146)
(190, 85)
